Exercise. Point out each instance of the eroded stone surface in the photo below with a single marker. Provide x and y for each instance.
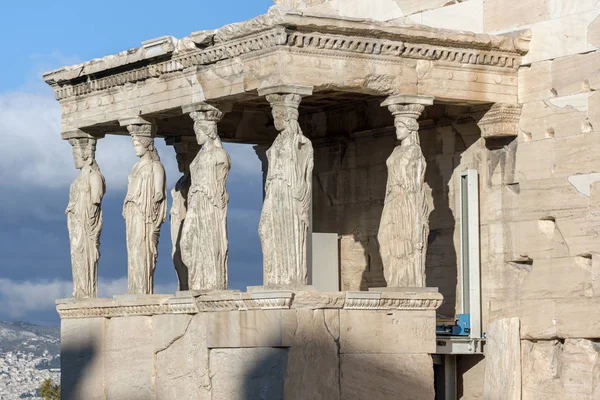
(503, 360)
(386, 376)
(313, 359)
(255, 328)
(567, 370)
(181, 357)
(82, 348)
(131, 339)
(257, 373)
(383, 327)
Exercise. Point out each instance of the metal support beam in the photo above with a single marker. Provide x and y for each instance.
(450, 377)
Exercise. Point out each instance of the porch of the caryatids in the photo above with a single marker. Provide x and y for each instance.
(285, 219)
(404, 225)
(144, 208)
(186, 149)
(84, 215)
(204, 243)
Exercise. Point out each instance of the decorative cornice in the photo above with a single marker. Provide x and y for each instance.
(110, 309)
(236, 301)
(393, 301)
(501, 120)
(364, 40)
(274, 300)
(319, 300)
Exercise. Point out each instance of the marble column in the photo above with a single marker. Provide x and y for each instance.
(84, 215)
(285, 218)
(404, 225)
(204, 244)
(144, 208)
(186, 149)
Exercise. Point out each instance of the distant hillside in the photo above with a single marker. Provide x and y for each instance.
(15, 336)
(28, 355)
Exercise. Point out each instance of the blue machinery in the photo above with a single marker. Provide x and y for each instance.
(462, 327)
(463, 336)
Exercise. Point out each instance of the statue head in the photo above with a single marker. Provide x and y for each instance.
(142, 137)
(84, 151)
(285, 109)
(405, 120)
(205, 126)
(142, 145)
(405, 127)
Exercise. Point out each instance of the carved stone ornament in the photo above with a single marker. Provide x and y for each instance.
(404, 225)
(144, 210)
(284, 222)
(236, 301)
(204, 245)
(311, 32)
(185, 151)
(501, 120)
(84, 218)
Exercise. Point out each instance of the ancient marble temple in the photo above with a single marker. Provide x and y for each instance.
(430, 209)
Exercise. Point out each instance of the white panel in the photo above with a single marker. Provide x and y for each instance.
(470, 274)
(325, 270)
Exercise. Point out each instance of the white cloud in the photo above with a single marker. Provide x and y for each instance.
(33, 154)
(20, 298)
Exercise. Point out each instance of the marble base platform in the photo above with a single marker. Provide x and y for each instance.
(269, 344)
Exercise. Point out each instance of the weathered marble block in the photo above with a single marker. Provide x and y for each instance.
(83, 352)
(230, 345)
(129, 365)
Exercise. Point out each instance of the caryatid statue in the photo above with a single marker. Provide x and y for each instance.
(185, 151)
(84, 218)
(144, 210)
(285, 217)
(204, 246)
(404, 225)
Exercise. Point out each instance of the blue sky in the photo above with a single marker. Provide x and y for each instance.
(36, 166)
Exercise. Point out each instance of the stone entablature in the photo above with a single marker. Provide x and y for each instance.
(231, 300)
(275, 49)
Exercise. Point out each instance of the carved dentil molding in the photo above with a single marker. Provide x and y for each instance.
(323, 44)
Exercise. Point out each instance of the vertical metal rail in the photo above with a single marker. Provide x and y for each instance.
(469, 250)
(450, 377)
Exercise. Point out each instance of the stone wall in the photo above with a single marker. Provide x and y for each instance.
(451, 14)
(268, 345)
(539, 210)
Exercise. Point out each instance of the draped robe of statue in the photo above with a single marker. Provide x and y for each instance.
(179, 195)
(404, 224)
(204, 246)
(84, 221)
(284, 221)
(144, 216)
